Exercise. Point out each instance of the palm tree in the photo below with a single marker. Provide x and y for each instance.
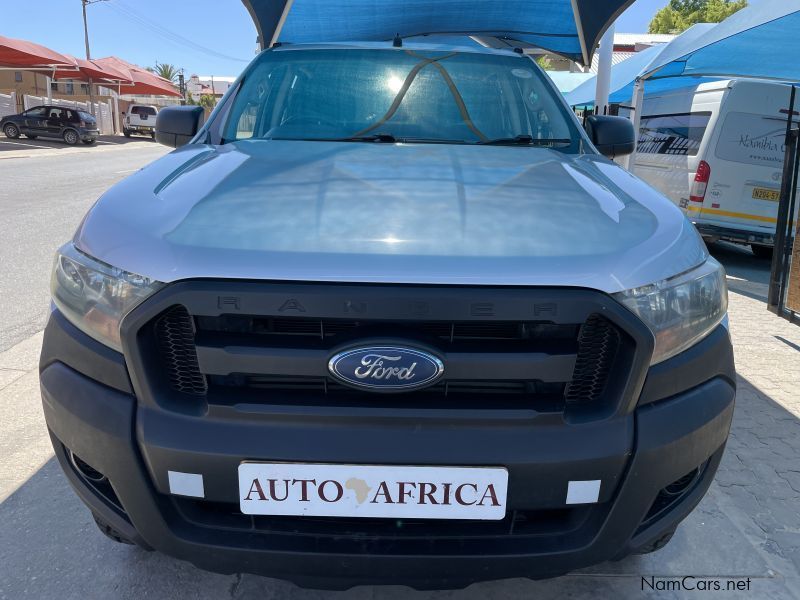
(165, 70)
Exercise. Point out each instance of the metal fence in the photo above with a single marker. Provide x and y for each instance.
(103, 111)
(8, 104)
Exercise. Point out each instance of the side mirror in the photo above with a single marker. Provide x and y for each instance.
(177, 125)
(612, 136)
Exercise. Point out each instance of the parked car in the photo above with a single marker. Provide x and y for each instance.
(141, 119)
(717, 151)
(69, 124)
(389, 316)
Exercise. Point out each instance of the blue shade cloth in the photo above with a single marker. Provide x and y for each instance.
(625, 73)
(572, 28)
(762, 40)
(566, 81)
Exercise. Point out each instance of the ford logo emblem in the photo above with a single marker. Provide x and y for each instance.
(386, 368)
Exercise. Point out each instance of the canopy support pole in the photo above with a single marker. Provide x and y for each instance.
(279, 27)
(604, 64)
(638, 106)
(637, 103)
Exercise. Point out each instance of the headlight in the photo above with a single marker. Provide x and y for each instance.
(95, 296)
(683, 310)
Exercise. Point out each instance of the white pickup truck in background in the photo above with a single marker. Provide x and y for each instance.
(141, 119)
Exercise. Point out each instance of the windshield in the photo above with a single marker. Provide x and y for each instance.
(399, 95)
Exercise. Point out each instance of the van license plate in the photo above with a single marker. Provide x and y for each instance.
(766, 194)
(324, 490)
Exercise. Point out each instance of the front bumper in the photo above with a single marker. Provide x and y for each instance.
(737, 236)
(682, 424)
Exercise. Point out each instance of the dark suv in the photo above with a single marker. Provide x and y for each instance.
(69, 124)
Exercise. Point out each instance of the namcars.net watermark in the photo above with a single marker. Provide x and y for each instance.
(691, 583)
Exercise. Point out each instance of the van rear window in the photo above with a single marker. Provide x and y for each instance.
(677, 135)
(753, 139)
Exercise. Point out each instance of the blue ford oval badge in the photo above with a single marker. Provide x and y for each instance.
(386, 368)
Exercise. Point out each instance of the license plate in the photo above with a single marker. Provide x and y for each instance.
(371, 491)
(766, 194)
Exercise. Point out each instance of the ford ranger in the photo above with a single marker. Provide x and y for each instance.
(390, 316)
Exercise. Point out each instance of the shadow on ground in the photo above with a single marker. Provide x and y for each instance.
(747, 275)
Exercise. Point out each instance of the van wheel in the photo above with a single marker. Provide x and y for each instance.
(126, 133)
(11, 131)
(110, 532)
(88, 142)
(71, 137)
(764, 252)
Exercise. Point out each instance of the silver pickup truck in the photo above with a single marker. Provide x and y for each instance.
(389, 316)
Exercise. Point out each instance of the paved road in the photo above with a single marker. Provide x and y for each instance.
(45, 193)
(747, 528)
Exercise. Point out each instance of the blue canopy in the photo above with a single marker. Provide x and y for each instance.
(625, 73)
(762, 40)
(572, 28)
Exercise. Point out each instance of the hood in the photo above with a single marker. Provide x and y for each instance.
(394, 213)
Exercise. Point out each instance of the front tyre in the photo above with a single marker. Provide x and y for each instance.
(11, 131)
(89, 142)
(71, 137)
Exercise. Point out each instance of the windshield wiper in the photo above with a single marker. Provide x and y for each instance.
(526, 140)
(377, 138)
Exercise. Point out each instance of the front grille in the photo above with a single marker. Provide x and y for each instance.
(175, 333)
(598, 345)
(544, 365)
(321, 391)
(330, 328)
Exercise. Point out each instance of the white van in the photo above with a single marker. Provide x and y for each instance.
(717, 151)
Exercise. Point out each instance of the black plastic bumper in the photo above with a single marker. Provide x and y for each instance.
(91, 412)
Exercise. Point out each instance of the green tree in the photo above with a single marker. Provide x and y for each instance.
(544, 62)
(679, 15)
(166, 70)
(208, 101)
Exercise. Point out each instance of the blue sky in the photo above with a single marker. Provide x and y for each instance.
(194, 34)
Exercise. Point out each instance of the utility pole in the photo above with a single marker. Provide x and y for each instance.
(84, 4)
(182, 86)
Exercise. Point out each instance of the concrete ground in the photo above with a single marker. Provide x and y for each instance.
(746, 530)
